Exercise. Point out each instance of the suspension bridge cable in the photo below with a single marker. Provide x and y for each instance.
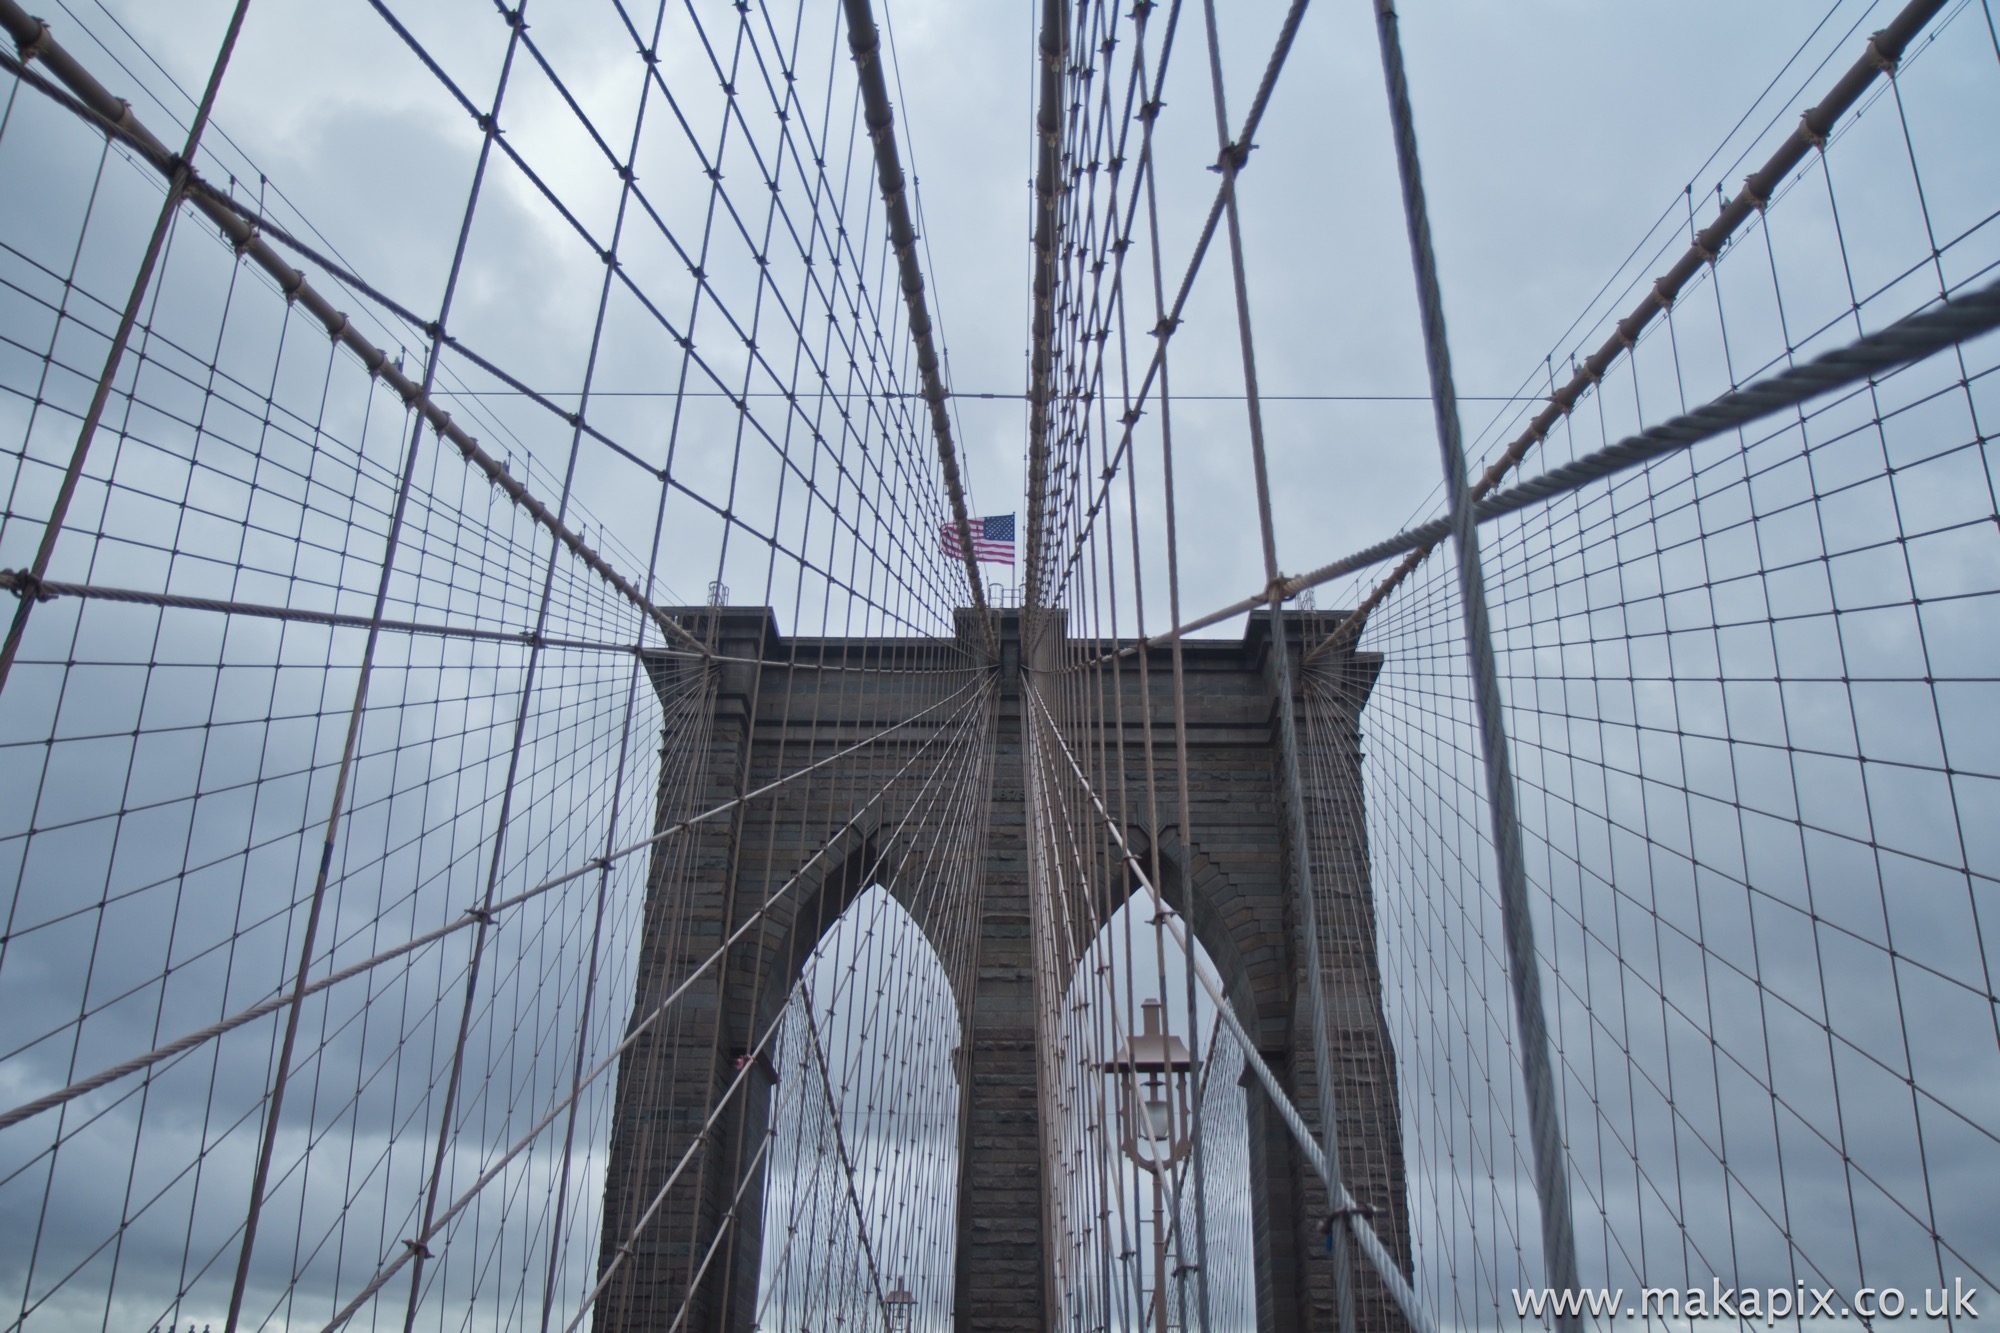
(299, 289)
(1955, 320)
(1739, 612)
(1231, 155)
(1884, 49)
(1523, 968)
(881, 122)
(1308, 1142)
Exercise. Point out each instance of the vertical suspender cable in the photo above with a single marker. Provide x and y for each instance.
(1198, 1154)
(344, 772)
(1230, 161)
(1537, 1075)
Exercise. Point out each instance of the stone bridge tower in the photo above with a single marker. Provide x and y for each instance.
(751, 708)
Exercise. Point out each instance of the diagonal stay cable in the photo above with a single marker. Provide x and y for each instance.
(28, 1110)
(263, 226)
(1143, 182)
(1364, 1234)
(1062, 832)
(1884, 50)
(611, 1057)
(409, 946)
(19, 583)
(33, 38)
(1291, 784)
(1230, 163)
(1238, 153)
(950, 774)
(1550, 1157)
(1908, 340)
(840, 1140)
(22, 583)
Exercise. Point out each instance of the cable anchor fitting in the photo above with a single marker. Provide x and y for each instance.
(1232, 159)
(1811, 133)
(27, 585)
(418, 1250)
(1879, 58)
(33, 46)
(1341, 1214)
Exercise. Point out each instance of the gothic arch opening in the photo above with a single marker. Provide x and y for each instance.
(861, 1169)
(1118, 1238)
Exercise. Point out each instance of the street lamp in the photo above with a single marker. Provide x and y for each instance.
(1153, 1123)
(897, 1307)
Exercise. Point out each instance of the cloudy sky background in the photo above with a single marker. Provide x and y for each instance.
(1558, 140)
(1554, 137)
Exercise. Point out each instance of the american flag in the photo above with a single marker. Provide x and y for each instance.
(992, 539)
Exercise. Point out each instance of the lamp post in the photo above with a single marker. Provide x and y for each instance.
(1153, 1123)
(897, 1308)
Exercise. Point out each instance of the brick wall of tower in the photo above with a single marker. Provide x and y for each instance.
(1235, 862)
(1002, 1278)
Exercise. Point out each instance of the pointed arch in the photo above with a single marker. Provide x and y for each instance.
(859, 1181)
(856, 862)
(1242, 926)
(1108, 1218)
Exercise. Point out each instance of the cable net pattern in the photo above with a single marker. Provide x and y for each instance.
(507, 817)
(362, 757)
(1748, 689)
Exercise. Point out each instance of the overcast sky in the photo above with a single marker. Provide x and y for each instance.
(1554, 136)
(1559, 138)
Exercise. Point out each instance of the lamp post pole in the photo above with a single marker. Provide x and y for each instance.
(1154, 1119)
(1159, 1254)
